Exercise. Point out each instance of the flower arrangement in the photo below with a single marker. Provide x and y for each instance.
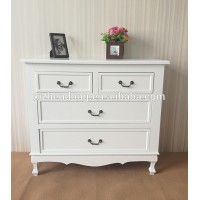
(115, 34)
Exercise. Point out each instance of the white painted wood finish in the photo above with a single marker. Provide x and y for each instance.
(82, 82)
(113, 112)
(35, 169)
(109, 82)
(158, 29)
(96, 61)
(152, 168)
(64, 131)
(114, 142)
(89, 160)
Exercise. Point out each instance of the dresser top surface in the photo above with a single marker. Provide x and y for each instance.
(99, 61)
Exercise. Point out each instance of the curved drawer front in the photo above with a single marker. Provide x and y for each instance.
(126, 82)
(63, 141)
(64, 82)
(94, 112)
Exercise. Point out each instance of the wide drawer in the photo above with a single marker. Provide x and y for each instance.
(126, 82)
(61, 141)
(84, 112)
(64, 82)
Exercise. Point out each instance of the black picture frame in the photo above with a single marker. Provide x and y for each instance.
(59, 45)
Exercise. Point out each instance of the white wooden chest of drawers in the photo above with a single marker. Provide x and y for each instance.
(94, 112)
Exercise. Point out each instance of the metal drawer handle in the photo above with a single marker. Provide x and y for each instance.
(62, 86)
(121, 83)
(91, 113)
(93, 143)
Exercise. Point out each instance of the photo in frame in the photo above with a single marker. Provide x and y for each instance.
(114, 50)
(59, 45)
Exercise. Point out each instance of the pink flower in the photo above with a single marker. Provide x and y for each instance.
(115, 34)
(114, 30)
(121, 29)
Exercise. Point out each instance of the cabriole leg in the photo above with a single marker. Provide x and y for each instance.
(152, 168)
(35, 169)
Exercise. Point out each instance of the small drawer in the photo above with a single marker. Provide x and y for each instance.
(137, 112)
(66, 140)
(126, 82)
(64, 82)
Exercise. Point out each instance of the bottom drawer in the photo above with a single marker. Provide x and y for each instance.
(52, 141)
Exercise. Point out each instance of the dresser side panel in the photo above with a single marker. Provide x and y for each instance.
(156, 109)
(32, 110)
